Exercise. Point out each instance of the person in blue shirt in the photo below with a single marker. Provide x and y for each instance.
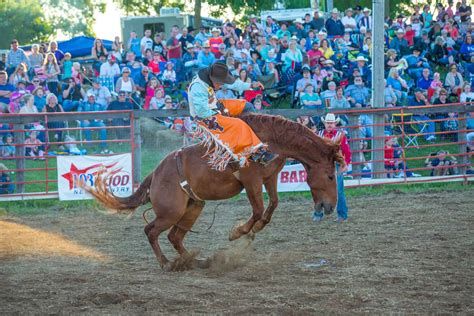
(205, 57)
(134, 44)
(92, 106)
(425, 80)
(6, 90)
(419, 99)
(416, 64)
(334, 26)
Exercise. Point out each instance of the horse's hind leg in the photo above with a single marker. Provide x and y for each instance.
(177, 233)
(271, 188)
(153, 230)
(255, 196)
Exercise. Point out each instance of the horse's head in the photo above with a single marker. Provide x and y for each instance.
(322, 179)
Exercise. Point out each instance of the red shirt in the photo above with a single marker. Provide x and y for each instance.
(346, 150)
(214, 43)
(388, 155)
(314, 56)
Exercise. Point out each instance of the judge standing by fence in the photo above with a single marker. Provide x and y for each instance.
(331, 132)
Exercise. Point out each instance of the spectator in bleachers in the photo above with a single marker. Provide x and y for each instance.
(158, 100)
(15, 56)
(364, 70)
(390, 98)
(35, 82)
(202, 36)
(154, 64)
(467, 49)
(215, 41)
(205, 57)
(29, 105)
(77, 74)
(134, 44)
(20, 74)
(314, 54)
(7, 149)
(51, 71)
(141, 80)
(419, 99)
(110, 68)
(152, 85)
(357, 94)
(350, 24)
(40, 98)
(309, 99)
(366, 19)
(123, 103)
(339, 101)
(52, 106)
(225, 93)
(326, 49)
(454, 80)
(398, 84)
(125, 82)
(53, 48)
(73, 95)
(36, 59)
(101, 94)
(146, 42)
(185, 38)
(66, 65)
(147, 57)
(467, 95)
(399, 43)
(334, 26)
(416, 63)
(328, 94)
(169, 74)
(92, 106)
(5, 178)
(440, 54)
(424, 82)
(157, 46)
(283, 31)
(318, 22)
(98, 49)
(33, 146)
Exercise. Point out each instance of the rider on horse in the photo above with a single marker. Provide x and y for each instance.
(227, 138)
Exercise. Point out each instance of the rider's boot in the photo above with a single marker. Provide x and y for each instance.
(267, 157)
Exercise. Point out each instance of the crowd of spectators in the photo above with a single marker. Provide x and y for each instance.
(321, 60)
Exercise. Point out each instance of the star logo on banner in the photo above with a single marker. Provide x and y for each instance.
(75, 172)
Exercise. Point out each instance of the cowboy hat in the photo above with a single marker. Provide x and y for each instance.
(298, 20)
(206, 45)
(361, 58)
(367, 10)
(329, 61)
(330, 118)
(189, 46)
(215, 29)
(219, 73)
(335, 10)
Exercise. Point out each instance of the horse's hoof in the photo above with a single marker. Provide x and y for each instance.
(258, 227)
(167, 267)
(234, 234)
(202, 263)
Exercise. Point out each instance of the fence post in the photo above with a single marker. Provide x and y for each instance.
(355, 145)
(20, 152)
(378, 146)
(137, 150)
(462, 116)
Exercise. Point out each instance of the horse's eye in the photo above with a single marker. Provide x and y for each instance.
(331, 178)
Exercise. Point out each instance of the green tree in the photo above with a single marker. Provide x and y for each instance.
(72, 17)
(147, 7)
(23, 20)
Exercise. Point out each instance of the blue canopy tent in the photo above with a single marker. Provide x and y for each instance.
(79, 46)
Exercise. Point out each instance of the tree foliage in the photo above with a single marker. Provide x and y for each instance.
(24, 21)
(72, 17)
(147, 7)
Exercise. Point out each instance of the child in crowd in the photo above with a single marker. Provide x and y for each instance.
(154, 65)
(152, 85)
(169, 75)
(442, 163)
(451, 124)
(8, 147)
(33, 146)
(158, 101)
(76, 73)
(67, 64)
(40, 98)
(5, 178)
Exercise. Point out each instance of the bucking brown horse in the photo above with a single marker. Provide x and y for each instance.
(177, 209)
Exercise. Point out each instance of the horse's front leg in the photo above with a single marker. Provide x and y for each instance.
(255, 196)
(271, 188)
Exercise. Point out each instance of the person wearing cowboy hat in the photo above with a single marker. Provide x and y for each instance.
(366, 19)
(205, 58)
(318, 21)
(334, 26)
(349, 22)
(190, 61)
(360, 63)
(215, 41)
(399, 43)
(331, 132)
(299, 29)
(233, 139)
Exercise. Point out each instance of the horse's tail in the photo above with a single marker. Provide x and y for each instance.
(121, 205)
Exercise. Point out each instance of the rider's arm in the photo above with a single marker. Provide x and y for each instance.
(239, 86)
(200, 101)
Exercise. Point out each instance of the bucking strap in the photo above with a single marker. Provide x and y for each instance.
(182, 180)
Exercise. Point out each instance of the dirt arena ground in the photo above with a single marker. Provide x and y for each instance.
(399, 253)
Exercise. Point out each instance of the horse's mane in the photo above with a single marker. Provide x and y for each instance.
(289, 134)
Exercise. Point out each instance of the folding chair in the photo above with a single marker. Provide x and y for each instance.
(404, 124)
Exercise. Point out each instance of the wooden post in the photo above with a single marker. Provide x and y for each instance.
(20, 162)
(137, 151)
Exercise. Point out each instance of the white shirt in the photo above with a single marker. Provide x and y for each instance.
(349, 23)
(146, 42)
(106, 69)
